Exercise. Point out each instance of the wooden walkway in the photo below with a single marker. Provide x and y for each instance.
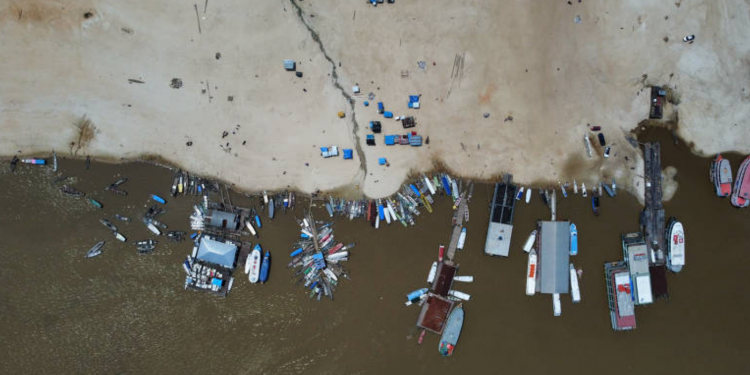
(652, 217)
(462, 207)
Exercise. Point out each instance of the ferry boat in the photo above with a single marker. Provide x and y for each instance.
(531, 273)
(676, 245)
(452, 331)
(721, 175)
(741, 193)
(573, 239)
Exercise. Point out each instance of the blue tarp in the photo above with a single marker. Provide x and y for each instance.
(381, 108)
(390, 140)
(382, 161)
(347, 153)
(413, 98)
(216, 252)
(387, 114)
(217, 282)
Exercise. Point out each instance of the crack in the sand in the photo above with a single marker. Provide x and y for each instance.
(335, 77)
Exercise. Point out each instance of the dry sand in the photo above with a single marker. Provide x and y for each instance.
(528, 60)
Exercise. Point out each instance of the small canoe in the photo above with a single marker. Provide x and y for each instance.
(529, 242)
(452, 331)
(461, 239)
(254, 260)
(531, 273)
(265, 267)
(573, 239)
(257, 221)
(528, 195)
(96, 250)
(122, 218)
(433, 271)
(109, 225)
(96, 203)
(441, 253)
(464, 279)
(271, 209)
(430, 186)
(575, 291)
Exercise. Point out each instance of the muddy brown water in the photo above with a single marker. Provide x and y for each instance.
(124, 313)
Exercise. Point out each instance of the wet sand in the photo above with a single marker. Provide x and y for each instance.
(125, 313)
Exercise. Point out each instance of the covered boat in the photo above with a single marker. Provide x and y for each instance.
(96, 250)
(254, 260)
(721, 175)
(452, 331)
(529, 242)
(741, 193)
(573, 239)
(676, 246)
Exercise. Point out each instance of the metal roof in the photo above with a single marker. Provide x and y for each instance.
(222, 219)
(212, 251)
(554, 257)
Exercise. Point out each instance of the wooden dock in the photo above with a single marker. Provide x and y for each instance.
(652, 217)
(461, 211)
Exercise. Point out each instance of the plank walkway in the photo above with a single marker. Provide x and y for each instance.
(652, 217)
(462, 207)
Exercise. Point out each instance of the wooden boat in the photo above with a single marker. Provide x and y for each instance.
(531, 273)
(587, 143)
(676, 246)
(71, 191)
(54, 161)
(455, 189)
(519, 195)
(529, 241)
(122, 218)
(607, 189)
(573, 239)
(176, 180)
(528, 195)
(265, 267)
(329, 208)
(96, 203)
(254, 260)
(575, 290)
(145, 246)
(441, 253)
(461, 239)
(96, 250)
(251, 228)
(109, 225)
(741, 194)
(433, 271)
(452, 331)
(721, 176)
(584, 193)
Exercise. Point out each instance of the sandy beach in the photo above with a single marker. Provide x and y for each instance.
(97, 78)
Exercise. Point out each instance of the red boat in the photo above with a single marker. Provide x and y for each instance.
(441, 252)
(721, 175)
(741, 194)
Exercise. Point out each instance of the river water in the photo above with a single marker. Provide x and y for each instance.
(124, 313)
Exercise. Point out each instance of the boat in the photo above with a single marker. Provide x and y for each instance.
(88, 162)
(176, 235)
(608, 189)
(741, 194)
(721, 175)
(109, 225)
(461, 239)
(531, 273)
(122, 218)
(158, 199)
(271, 208)
(455, 189)
(464, 279)
(415, 295)
(575, 290)
(54, 161)
(71, 191)
(176, 180)
(446, 186)
(96, 203)
(96, 250)
(265, 197)
(329, 208)
(13, 163)
(573, 239)
(595, 204)
(564, 192)
(153, 229)
(528, 195)
(519, 195)
(120, 237)
(441, 253)
(556, 306)
(429, 185)
(254, 260)
(459, 295)
(676, 245)
(529, 242)
(584, 193)
(433, 271)
(587, 143)
(265, 267)
(34, 161)
(575, 187)
(251, 228)
(421, 337)
(452, 331)
(601, 193)
(146, 246)
(257, 221)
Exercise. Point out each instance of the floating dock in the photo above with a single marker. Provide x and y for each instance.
(501, 218)
(636, 255)
(619, 296)
(652, 217)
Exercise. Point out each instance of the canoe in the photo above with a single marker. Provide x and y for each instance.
(96, 203)
(96, 250)
(265, 267)
(158, 199)
(531, 273)
(257, 221)
(608, 189)
(446, 186)
(329, 209)
(153, 229)
(529, 242)
(464, 279)
(595, 204)
(573, 239)
(556, 306)
(122, 218)
(120, 237)
(455, 189)
(416, 294)
(254, 260)
(461, 239)
(452, 331)
(528, 195)
(107, 224)
(584, 193)
(459, 295)
(54, 161)
(430, 186)
(433, 271)
(519, 195)
(575, 291)
(441, 253)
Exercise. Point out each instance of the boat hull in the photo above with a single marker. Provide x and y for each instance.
(676, 240)
(254, 260)
(452, 331)
(741, 194)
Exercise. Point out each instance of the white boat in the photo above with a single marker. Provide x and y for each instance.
(390, 209)
(433, 271)
(583, 190)
(153, 229)
(377, 221)
(461, 239)
(250, 228)
(429, 184)
(459, 295)
(676, 246)
(265, 197)
(531, 273)
(464, 279)
(254, 260)
(575, 187)
(120, 237)
(54, 161)
(556, 306)
(575, 291)
(455, 189)
(529, 242)
(528, 195)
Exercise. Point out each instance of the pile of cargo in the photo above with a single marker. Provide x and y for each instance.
(318, 259)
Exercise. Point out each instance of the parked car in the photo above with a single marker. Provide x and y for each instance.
(601, 139)
(606, 152)
(689, 38)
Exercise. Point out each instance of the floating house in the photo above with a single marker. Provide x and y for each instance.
(636, 255)
(210, 267)
(501, 218)
(223, 220)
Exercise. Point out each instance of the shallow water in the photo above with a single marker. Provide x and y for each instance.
(127, 313)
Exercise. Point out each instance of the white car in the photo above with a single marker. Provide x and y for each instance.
(689, 38)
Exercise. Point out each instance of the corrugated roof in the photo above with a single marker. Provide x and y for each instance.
(212, 251)
(444, 279)
(221, 219)
(554, 257)
(434, 313)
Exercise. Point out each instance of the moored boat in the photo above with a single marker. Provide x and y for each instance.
(595, 204)
(120, 237)
(528, 195)
(441, 253)
(529, 242)
(573, 239)
(265, 267)
(741, 193)
(519, 195)
(721, 175)
(452, 331)
(676, 245)
(433, 271)
(153, 229)
(271, 209)
(96, 203)
(575, 290)
(531, 273)
(461, 239)
(254, 259)
(96, 250)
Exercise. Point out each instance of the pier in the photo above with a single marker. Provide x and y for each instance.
(652, 217)
(462, 207)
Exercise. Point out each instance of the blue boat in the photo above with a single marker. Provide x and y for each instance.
(416, 294)
(265, 267)
(595, 204)
(414, 189)
(608, 189)
(447, 186)
(296, 252)
(573, 239)
(452, 331)
(158, 199)
(329, 209)
(257, 221)
(381, 213)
